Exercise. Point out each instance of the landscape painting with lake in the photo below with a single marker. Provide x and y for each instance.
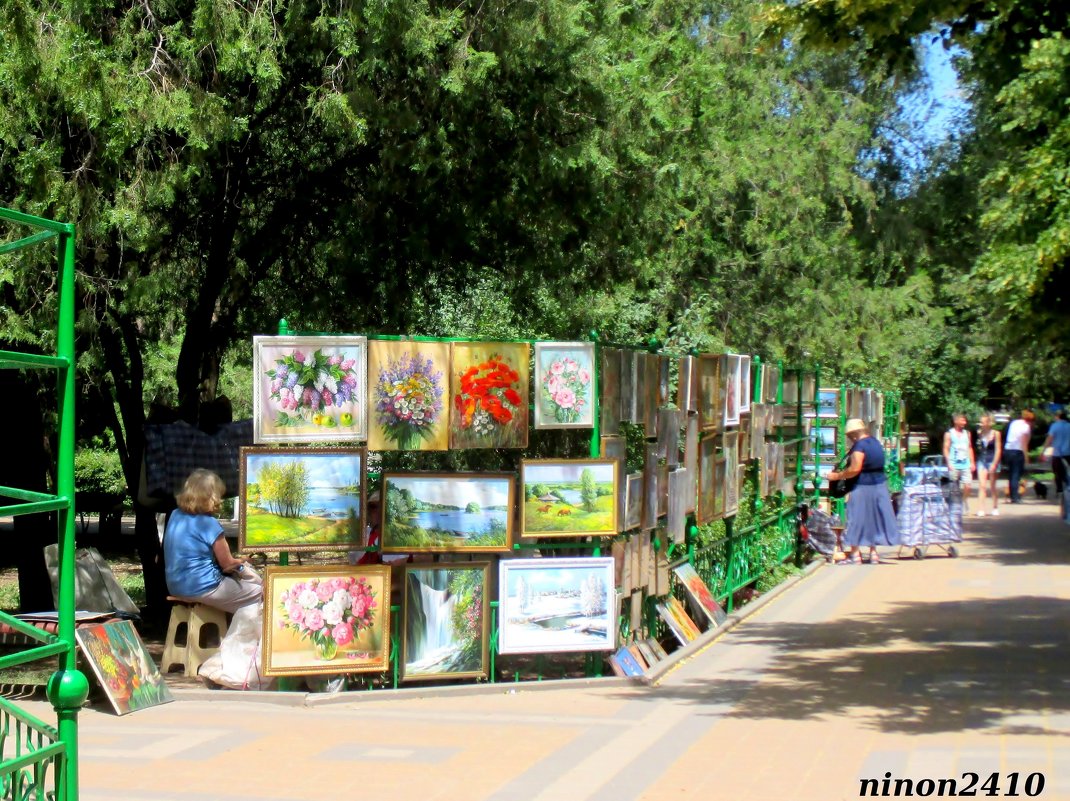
(569, 497)
(447, 512)
(301, 498)
(556, 605)
(445, 622)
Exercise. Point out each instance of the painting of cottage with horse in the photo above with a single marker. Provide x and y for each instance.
(570, 497)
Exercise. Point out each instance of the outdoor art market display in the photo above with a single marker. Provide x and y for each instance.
(302, 499)
(416, 394)
(324, 619)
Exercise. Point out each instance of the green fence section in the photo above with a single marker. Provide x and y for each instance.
(36, 760)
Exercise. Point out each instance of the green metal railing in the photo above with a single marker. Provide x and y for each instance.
(34, 756)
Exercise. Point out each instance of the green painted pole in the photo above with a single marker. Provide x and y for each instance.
(596, 412)
(284, 556)
(67, 688)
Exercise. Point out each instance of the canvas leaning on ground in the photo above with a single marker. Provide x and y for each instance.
(302, 499)
(569, 497)
(699, 596)
(321, 619)
(556, 605)
(309, 389)
(448, 512)
(445, 622)
(124, 667)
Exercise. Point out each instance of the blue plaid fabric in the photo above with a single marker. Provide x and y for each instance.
(175, 450)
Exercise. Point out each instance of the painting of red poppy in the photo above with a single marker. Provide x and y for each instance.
(489, 395)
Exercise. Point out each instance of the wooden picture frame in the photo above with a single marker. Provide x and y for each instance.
(746, 383)
(710, 414)
(609, 391)
(730, 389)
(302, 499)
(310, 389)
(633, 501)
(298, 638)
(436, 600)
(564, 385)
(706, 499)
(731, 474)
(564, 510)
(448, 512)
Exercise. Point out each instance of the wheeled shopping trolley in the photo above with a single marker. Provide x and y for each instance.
(930, 513)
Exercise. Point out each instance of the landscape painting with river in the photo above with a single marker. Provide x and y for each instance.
(302, 498)
(448, 512)
(445, 618)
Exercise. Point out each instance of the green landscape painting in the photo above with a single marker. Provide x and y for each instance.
(448, 512)
(302, 499)
(567, 498)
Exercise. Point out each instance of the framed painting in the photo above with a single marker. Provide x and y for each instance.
(569, 497)
(679, 622)
(770, 383)
(759, 425)
(302, 499)
(808, 391)
(706, 501)
(821, 470)
(122, 664)
(686, 389)
(677, 517)
(556, 605)
(407, 398)
(445, 622)
(691, 451)
(854, 403)
(326, 619)
(624, 663)
(828, 403)
(651, 388)
(650, 487)
(731, 474)
(746, 387)
(436, 512)
(663, 490)
(825, 439)
(720, 485)
(730, 389)
(790, 391)
(564, 384)
(656, 647)
(648, 653)
(609, 389)
(310, 389)
(633, 501)
(709, 391)
(699, 597)
(664, 383)
(629, 404)
(489, 393)
(669, 423)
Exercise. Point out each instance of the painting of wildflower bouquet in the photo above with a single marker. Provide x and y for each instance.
(323, 619)
(489, 393)
(409, 410)
(564, 382)
(310, 389)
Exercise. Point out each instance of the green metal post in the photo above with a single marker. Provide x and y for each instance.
(68, 687)
(596, 412)
(284, 556)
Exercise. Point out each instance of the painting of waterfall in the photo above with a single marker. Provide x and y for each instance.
(554, 605)
(448, 512)
(445, 622)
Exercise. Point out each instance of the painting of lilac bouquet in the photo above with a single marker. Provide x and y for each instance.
(565, 373)
(408, 396)
(310, 389)
(326, 619)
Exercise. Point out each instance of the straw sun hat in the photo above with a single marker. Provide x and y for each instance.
(853, 425)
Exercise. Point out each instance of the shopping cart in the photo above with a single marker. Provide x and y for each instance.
(930, 511)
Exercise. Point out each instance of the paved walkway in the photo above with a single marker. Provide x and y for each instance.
(915, 669)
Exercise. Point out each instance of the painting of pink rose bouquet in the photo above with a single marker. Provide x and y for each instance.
(310, 389)
(565, 375)
(326, 620)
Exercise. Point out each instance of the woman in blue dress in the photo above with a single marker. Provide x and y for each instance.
(870, 519)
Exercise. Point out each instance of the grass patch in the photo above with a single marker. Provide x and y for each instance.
(264, 530)
(402, 535)
(539, 518)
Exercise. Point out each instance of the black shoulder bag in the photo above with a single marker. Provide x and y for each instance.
(841, 486)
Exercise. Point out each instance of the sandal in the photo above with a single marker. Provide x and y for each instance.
(874, 559)
(856, 559)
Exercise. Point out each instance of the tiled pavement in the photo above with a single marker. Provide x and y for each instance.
(915, 669)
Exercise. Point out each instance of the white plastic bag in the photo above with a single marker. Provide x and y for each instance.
(237, 664)
(95, 587)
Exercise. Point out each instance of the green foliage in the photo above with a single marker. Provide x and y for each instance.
(99, 470)
(284, 487)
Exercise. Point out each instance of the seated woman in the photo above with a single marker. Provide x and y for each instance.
(198, 562)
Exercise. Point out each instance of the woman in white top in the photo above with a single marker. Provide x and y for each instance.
(989, 454)
(1016, 451)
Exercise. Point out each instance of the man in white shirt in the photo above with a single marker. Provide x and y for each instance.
(1016, 451)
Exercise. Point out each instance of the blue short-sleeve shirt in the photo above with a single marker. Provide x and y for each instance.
(1060, 437)
(191, 568)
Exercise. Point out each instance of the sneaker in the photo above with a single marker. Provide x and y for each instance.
(980, 512)
(995, 513)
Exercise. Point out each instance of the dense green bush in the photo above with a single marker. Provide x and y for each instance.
(99, 470)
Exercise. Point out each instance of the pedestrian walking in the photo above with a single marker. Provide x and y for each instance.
(1016, 451)
(958, 454)
(988, 456)
(1058, 440)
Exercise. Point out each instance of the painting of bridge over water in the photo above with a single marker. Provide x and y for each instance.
(556, 605)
